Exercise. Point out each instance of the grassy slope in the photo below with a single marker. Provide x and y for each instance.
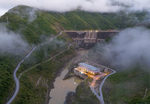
(44, 25)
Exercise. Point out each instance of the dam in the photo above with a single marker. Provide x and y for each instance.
(88, 38)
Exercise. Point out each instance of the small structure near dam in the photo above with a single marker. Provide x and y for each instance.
(85, 70)
(88, 38)
(98, 74)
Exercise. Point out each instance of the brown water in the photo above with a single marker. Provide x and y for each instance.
(62, 87)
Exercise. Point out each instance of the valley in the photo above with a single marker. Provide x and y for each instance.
(56, 43)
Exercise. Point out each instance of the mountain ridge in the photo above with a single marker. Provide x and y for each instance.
(32, 23)
(35, 26)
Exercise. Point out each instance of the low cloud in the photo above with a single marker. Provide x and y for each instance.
(11, 42)
(134, 5)
(129, 48)
(87, 5)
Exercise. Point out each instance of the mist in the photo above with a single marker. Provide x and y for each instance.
(11, 42)
(131, 47)
(86, 5)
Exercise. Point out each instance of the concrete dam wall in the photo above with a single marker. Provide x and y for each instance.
(87, 39)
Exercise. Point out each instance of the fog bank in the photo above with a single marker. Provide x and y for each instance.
(129, 48)
(87, 5)
(11, 42)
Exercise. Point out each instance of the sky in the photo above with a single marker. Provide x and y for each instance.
(87, 5)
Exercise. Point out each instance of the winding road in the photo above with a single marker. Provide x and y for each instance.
(101, 86)
(17, 83)
(100, 97)
(16, 79)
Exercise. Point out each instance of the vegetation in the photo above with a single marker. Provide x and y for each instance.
(7, 64)
(48, 23)
(43, 53)
(83, 95)
(35, 29)
(35, 84)
(128, 87)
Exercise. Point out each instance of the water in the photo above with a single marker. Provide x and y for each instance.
(62, 87)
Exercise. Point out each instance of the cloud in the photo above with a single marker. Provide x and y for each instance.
(129, 48)
(2, 11)
(87, 5)
(135, 5)
(11, 43)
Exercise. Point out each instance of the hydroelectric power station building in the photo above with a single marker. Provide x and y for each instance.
(85, 70)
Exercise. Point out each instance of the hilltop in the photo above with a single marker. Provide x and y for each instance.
(32, 23)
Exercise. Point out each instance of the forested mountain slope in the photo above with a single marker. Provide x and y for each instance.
(35, 26)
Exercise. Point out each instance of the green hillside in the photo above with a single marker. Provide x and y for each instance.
(128, 87)
(35, 26)
(48, 23)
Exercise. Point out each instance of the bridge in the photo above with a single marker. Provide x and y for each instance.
(88, 38)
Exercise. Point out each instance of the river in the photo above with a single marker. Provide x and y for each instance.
(62, 87)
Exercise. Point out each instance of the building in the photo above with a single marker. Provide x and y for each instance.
(84, 69)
